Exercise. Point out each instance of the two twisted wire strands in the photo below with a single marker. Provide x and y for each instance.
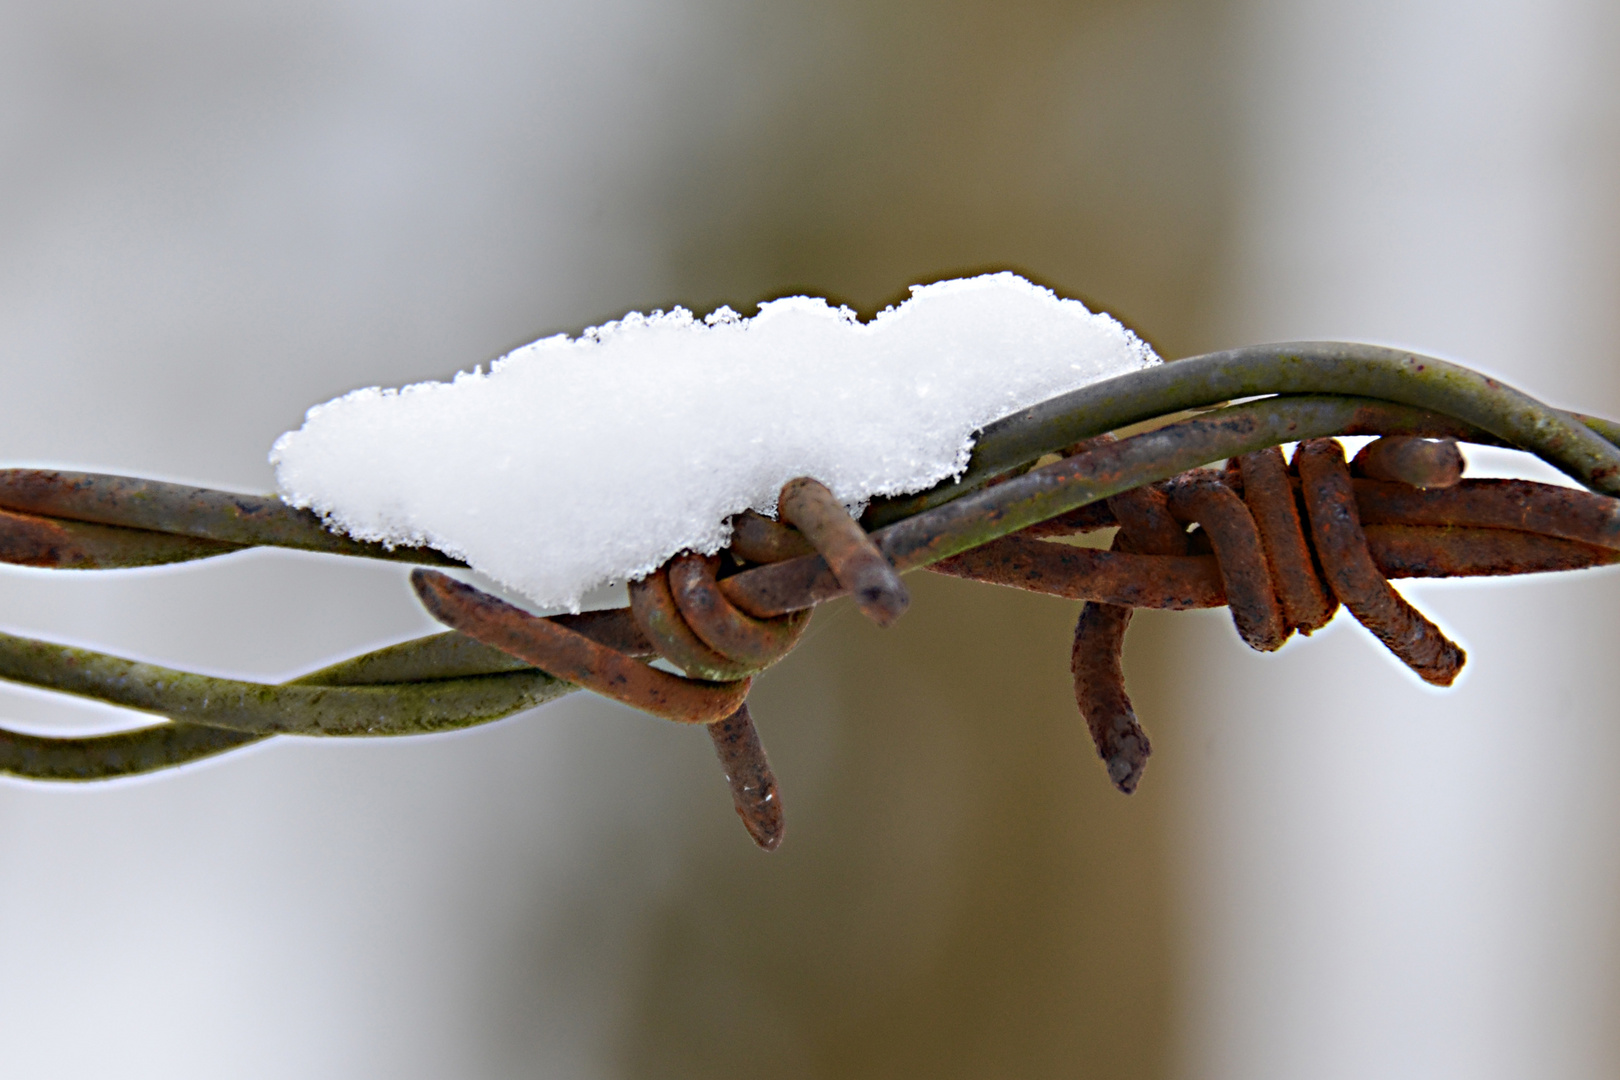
(693, 625)
(721, 706)
(437, 683)
(87, 521)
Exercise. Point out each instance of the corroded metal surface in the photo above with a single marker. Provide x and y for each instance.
(855, 561)
(748, 774)
(757, 539)
(1403, 459)
(1341, 547)
(1407, 551)
(1199, 497)
(1497, 504)
(723, 626)
(658, 616)
(1280, 549)
(988, 512)
(1096, 659)
(60, 544)
(1096, 663)
(203, 513)
(1169, 583)
(571, 656)
(1269, 493)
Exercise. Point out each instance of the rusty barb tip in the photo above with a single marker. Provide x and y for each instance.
(754, 791)
(854, 559)
(1407, 459)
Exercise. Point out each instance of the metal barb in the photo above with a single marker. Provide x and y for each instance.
(1402, 459)
(1346, 562)
(748, 772)
(855, 561)
(1281, 549)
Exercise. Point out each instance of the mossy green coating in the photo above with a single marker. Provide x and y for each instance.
(436, 683)
(448, 655)
(448, 681)
(1112, 468)
(1606, 428)
(296, 708)
(1294, 368)
(990, 513)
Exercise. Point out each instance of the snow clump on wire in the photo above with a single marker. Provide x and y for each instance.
(576, 462)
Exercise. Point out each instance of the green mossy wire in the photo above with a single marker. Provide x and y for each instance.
(447, 681)
(437, 683)
(1294, 368)
(990, 513)
(1044, 493)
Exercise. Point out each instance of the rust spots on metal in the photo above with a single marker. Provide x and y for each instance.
(683, 612)
(1342, 548)
(723, 626)
(614, 627)
(1173, 583)
(854, 559)
(1567, 513)
(756, 538)
(677, 612)
(794, 585)
(203, 513)
(1252, 527)
(655, 611)
(26, 540)
(573, 657)
(1146, 522)
(1279, 567)
(1096, 662)
(754, 791)
(1403, 459)
(1088, 518)
(1200, 497)
(1150, 531)
(1430, 551)
(57, 544)
(1269, 494)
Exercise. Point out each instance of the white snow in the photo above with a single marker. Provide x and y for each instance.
(576, 462)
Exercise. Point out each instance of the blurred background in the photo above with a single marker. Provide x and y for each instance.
(213, 215)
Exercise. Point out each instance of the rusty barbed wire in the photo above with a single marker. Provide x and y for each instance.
(1282, 544)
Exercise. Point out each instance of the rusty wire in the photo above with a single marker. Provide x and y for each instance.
(1282, 544)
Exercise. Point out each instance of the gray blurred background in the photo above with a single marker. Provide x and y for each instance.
(215, 215)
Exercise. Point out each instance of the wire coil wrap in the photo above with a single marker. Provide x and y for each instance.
(1282, 547)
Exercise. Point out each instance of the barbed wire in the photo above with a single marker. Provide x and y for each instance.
(1281, 543)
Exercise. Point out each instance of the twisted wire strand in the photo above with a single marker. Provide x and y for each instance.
(1474, 527)
(690, 623)
(1471, 403)
(720, 621)
(435, 680)
(1269, 494)
(1347, 564)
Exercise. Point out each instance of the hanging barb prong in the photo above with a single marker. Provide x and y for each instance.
(748, 772)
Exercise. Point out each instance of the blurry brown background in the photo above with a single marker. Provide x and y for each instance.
(215, 215)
